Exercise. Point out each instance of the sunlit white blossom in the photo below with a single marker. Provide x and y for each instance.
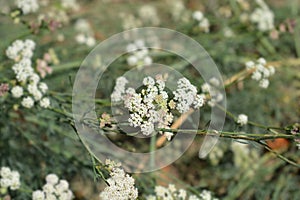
(27, 102)
(242, 119)
(121, 186)
(53, 189)
(9, 179)
(27, 6)
(17, 91)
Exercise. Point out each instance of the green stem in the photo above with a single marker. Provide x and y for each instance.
(233, 135)
(152, 150)
(66, 66)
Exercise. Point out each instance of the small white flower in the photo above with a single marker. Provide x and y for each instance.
(15, 180)
(90, 41)
(198, 15)
(135, 120)
(242, 119)
(256, 75)
(168, 135)
(29, 44)
(206, 88)
(172, 188)
(63, 185)
(141, 54)
(264, 18)
(139, 44)
(82, 26)
(17, 91)
(27, 102)
(271, 70)
(199, 101)
(266, 73)
(52, 179)
(37, 95)
(214, 81)
(250, 65)
(131, 47)
(14, 49)
(70, 4)
(149, 14)
(5, 183)
(51, 197)
(54, 189)
(34, 78)
(147, 128)
(9, 179)
(45, 102)
(5, 172)
(182, 194)
(121, 186)
(206, 195)
(262, 61)
(184, 95)
(264, 83)
(162, 192)
(132, 60)
(147, 60)
(43, 87)
(228, 32)
(81, 38)
(48, 188)
(119, 89)
(148, 81)
(261, 72)
(27, 6)
(204, 24)
(38, 195)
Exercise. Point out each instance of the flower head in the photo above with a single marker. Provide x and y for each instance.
(27, 6)
(121, 186)
(242, 119)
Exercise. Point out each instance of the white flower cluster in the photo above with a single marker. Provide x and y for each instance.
(261, 72)
(85, 33)
(9, 179)
(263, 17)
(203, 21)
(206, 195)
(54, 189)
(211, 88)
(171, 193)
(27, 6)
(138, 54)
(129, 21)
(152, 106)
(186, 96)
(119, 89)
(149, 15)
(21, 52)
(70, 4)
(121, 186)
(178, 10)
(242, 119)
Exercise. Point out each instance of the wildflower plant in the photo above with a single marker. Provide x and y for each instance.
(42, 138)
(152, 108)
